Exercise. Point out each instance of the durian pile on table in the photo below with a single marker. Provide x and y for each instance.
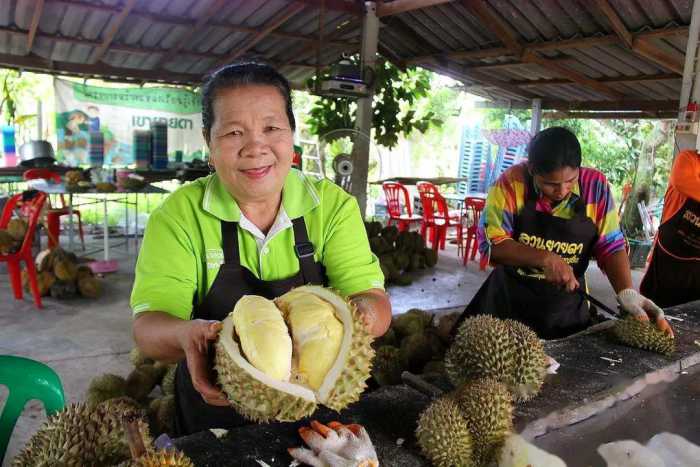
(593, 366)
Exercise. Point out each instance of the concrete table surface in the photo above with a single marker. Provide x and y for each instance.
(584, 386)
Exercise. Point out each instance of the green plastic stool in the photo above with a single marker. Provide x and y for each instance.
(26, 379)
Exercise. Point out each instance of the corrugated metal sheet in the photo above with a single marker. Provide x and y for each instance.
(70, 32)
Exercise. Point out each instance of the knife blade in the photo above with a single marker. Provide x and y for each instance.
(604, 309)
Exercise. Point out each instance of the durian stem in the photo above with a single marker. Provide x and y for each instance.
(421, 385)
(133, 436)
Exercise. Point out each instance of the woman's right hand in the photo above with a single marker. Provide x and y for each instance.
(195, 338)
(557, 271)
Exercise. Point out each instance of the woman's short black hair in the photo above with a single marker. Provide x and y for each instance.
(552, 149)
(242, 74)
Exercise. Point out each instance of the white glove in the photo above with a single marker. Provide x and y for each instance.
(335, 445)
(643, 309)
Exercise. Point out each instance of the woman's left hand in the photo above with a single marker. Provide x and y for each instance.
(375, 310)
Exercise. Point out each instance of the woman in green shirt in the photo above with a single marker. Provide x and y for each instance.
(254, 227)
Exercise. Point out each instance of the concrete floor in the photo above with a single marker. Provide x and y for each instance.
(82, 338)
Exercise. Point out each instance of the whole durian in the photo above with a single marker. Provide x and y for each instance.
(387, 366)
(137, 358)
(105, 387)
(431, 257)
(141, 381)
(530, 362)
(17, 228)
(412, 322)
(443, 434)
(416, 350)
(63, 289)
(269, 376)
(78, 436)
(161, 458)
(162, 412)
(167, 384)
(389, 338)
(482, 347)
(444, 326)
(89, 287)
(65, 270)
(487, 407)
(7, 243)
(643, 335)
(434, 367)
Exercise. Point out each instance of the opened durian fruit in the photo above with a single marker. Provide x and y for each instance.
(277, 360)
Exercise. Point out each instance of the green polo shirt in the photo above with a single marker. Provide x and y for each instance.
(182, 249)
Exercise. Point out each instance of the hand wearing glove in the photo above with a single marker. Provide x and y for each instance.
(335, 445)
(643, 309)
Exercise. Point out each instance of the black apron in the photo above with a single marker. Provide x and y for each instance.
(673, 276)
(231, 283)
(522, 294)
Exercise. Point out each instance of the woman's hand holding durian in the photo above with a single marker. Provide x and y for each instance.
(375, 310)
(195, 338)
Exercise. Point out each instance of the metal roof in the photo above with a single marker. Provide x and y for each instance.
(595, 55)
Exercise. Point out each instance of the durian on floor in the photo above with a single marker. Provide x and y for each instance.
(279, 360)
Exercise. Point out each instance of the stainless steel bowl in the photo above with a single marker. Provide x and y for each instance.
(38, 153)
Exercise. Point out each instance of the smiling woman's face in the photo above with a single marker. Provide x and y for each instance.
(251, 142)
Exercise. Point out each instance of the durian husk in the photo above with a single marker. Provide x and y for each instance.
(416, 351)
(80, 436)
(482, 347)
(487, 407)
(105, 187)
(161, 458)
(63, 289)
(105, 387)
(530, 362)
(162, 413)
(387, 366)
(85, 271)
(261, 398)
(643, 335)
(443, 434)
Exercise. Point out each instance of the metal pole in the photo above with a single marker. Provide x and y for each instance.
(536, 122)
(39, 121)
(368, 60)
(106, 229)
(691, 80)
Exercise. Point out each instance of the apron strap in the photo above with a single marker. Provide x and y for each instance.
(229, 237)
(304, 250)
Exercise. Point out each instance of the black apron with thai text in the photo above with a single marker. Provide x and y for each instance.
(673, 276)
(522, 294)
(231, 283)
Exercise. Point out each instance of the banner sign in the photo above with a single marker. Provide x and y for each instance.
(117, 112)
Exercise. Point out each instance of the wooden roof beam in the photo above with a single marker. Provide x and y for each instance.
(402, 6)
(276, 21)
(583, 42)
(636, 44)
(494, 23)
(99, 70)
(164, 18)
(575, 76)
(134, 50)
(480, 78)
(617, 79)
(116, 23)
(201, 23)
(34, 26)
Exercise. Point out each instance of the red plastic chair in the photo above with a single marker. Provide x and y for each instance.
(33, 209)
(471, 214)
(53, 218)
(436, 216)
(394, 192)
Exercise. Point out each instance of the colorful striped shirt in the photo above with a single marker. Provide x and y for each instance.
(507, 197)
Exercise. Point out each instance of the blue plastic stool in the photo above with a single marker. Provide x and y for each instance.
(26, 379)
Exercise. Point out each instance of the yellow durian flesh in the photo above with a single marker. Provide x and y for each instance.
(263, 336)
(317, 335)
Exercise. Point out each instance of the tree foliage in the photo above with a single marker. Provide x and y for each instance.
(395, 109)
